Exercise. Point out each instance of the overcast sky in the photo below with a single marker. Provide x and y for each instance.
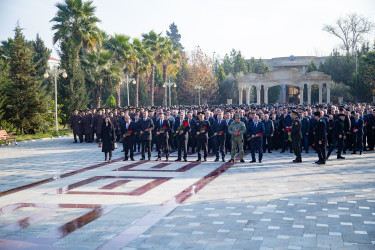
(259, 28)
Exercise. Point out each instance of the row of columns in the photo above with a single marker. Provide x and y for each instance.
(301, 89)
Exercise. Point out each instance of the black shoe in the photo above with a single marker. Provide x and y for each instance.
(340, 157)
(253, 161)
(354, 153)
(317, 162)
(105, 159)
(185, 159)
(320, 162)
(269, 152)
(217, 159)
(142, 159)
(242, 160)
(166, 159)
(149, 158)
(231, 161)
(360, 152)
(297, 161)
(122, 150)
(344, 152)
(178, 159)
(291, 151)
(75, 142)
(223, 159)
(282, 151)
(204, 159)
(260, 161)
(125, 159)
(132, 159)
(158, 159)
(199, 160)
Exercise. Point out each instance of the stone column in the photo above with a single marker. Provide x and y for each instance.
(258, 94)
(328, 86)
(266, 95)
(320, 93)
(250, 87)
(300, 95)
(308, 94)
(247, 95)
(240, 96)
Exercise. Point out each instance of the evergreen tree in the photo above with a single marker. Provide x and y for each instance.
(311, 67)
(41, 57)
(175, 36)
(72, 90)
(26, 104)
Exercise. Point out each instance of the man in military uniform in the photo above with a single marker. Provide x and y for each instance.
(296, 135)
(320, 138)
(236, 130)
(75, 125)
(202, 129)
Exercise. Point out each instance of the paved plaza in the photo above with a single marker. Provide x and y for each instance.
(58, 195)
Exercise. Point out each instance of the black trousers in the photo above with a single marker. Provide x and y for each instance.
(321, 150)
(286, 143)
(162, 143)
(88, 137)
(220, 145)
(357, 142)
(337, 142)
(182, 145)
(128, 146)
(202, 144)
(296, 144)
(267, 140)
(80, 136)
(148, 143)
(192, 143)
(228, 143)
(256, 145)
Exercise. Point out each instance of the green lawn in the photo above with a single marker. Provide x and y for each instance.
(39, 135)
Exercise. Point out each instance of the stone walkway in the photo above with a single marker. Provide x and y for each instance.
(58, 195)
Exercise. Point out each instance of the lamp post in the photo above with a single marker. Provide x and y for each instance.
(199, 93)
(55, 71)
(169, 84)
(127, 81)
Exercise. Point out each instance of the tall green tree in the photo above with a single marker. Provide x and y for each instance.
(26, 102)
(175, 36)
(76, 20)
(41, 57)
(362, 84)
(153, 41)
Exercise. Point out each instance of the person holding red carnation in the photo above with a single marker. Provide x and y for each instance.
(256, 132)
(162, 128)
(201, 130)
(181, 129)
(128, 129)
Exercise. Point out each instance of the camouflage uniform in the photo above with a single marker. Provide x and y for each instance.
(237, 141)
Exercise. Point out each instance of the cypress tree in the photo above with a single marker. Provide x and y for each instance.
(26, 103)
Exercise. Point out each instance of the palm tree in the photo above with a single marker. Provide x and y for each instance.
(153, 41)
(141, 58)
(170, 55)
(121, 48)
(76, 20)
(99, 66)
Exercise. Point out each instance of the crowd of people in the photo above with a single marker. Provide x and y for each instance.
(223, 129)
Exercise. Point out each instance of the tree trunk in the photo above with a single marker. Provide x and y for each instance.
(98, 94)
(152, 85)
(136, 77)
(118, 93)
(165, 82)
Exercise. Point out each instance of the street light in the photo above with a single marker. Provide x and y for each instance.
(127, 81)
(199, 93)
(169, 84)
(55, 71)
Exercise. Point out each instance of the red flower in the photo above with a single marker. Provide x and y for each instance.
(287, 129)
(130, 131)
(353, 129)
(205, 127)
(185, 123)
(260, 134)
(165, 127)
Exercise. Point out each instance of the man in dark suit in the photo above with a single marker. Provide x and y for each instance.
(162, 129)
(256, 132)
(228, 137)
(202, 128)
(268, 133)
(128, 130)
(287, 123)
(146, 126)
(305, 129)
(192, 138)
(88, 124)
(182, 135)
(357, 134)
(338, 135)
(320, 138)
(219, 128)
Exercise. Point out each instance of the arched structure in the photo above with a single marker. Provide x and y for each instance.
(284, 76)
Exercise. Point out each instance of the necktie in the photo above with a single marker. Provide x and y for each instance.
(219, 122)
(127, 125)
(256, 124)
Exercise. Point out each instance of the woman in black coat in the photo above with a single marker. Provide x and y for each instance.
(108, 138)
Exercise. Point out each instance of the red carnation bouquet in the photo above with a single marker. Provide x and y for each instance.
(129, 132)
(181, 127)
(162, 129)
(288, 129)
(203, 130)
